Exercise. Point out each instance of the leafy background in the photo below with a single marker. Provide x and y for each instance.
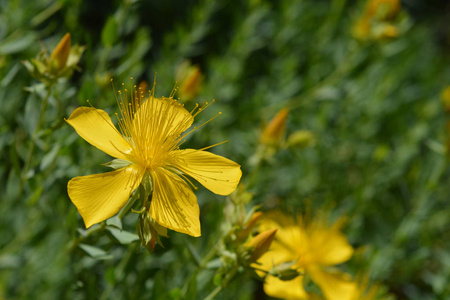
(374, 108)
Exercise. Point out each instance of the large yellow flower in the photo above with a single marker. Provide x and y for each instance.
(313, 249)
(148, 143)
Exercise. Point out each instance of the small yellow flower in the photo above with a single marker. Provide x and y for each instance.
(147, 143)
(312, 249)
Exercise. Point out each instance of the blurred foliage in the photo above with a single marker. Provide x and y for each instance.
(372, 108)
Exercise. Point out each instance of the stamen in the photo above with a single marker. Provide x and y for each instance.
(208, 147)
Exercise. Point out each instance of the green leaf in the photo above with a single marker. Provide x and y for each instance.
(13, 44)
(191, 293)
(217, 279)
(87, 90)
(159, 287)
(32, 108)
(114, 222)
(95, 252)
(49, 158)
(71, 218)
(124, 237)
(35, 196)
(109, 32)
(214, 264)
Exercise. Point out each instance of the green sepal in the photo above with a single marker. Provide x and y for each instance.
(118, 163)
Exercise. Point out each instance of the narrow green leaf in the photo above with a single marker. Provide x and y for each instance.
(114, 222)
(109, 32)
(95, 252)
(124, 237)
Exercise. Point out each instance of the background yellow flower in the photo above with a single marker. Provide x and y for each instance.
(313, 248)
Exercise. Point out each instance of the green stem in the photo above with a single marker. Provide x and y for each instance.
(34, 138)
(254, 173)
(127, 206)
(225, 282)
(201, 265)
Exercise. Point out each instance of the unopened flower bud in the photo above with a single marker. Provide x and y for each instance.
(249, 225)
(445, 97)
(383, 9)
(301, 139)
(149, 231)
(261, 243)
(285, 271)
(61, 62)
(385, 31)
(61, 52)
(191, 80)
(274, 131)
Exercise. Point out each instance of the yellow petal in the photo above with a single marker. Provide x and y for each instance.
(100, 196)
(276, 219)
(331, 246)
(96, 127)
(290, 237)
(174, 205)
(291, 289)
(334, 285)
(216, 173)
(276, 255)
(161, 118)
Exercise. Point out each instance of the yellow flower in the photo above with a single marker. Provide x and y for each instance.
(147, 145)
(312, 249)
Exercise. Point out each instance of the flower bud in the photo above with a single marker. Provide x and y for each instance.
(445, 97)
(377, 20)
(301, 139)
(149, 231)
(284, 271)
(383, 10)
(249, 225)
(61, 52)
(274, 131)
(261, 243)
(385, 31)
(191, 79)
(61, 63)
